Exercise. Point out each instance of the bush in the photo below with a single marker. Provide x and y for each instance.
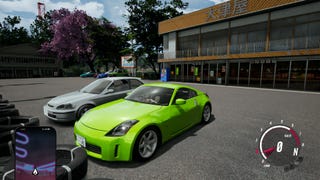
(74, 71)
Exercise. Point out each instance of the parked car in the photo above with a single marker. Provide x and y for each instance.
(104, 75)
(88, 74)
(72, 106)
(134, 127)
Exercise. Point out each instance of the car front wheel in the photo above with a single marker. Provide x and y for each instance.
(146, 144)
(83, 109)
(206, 115)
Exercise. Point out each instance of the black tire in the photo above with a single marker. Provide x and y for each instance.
(9, 112)
(4, 101)
(150, 133)
(206, 114)
(83, 109)
(11, 123)
(6, 106)
(73, 159)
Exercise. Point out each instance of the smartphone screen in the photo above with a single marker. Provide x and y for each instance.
(35, 153)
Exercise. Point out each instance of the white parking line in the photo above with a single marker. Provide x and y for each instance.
(250, 88)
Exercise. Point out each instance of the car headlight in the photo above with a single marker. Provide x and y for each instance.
(122, 128)
(65, 106)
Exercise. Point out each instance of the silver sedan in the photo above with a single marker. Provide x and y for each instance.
(71, 106)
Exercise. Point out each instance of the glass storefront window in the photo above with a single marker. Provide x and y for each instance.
(282, 74)
(178, 72)
(255, 73)
(205, 73)
(244, 73)
(212, 73)
(267, 74)
(221, 74)
(233, 73)
(172, 73)
(313, 76)
(297, 76)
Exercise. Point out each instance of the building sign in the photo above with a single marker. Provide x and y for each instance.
(227, 9)
(127, 62)
(218, 12)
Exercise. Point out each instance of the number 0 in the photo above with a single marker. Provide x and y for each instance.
(279, 146)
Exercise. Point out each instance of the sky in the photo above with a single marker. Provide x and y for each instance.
(113, 10)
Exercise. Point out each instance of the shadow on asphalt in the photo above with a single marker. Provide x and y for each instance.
(162, 149)
(34, 99)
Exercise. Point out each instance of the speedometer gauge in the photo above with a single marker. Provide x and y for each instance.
(279, 145)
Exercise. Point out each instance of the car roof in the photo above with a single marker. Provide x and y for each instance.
(120, 78)
(168, 85)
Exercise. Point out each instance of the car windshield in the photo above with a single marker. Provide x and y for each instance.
(151, 95)
(96, 87)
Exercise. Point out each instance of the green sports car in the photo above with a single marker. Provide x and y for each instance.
(134, 127)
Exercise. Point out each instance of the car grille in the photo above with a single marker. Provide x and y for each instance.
(51, 115)
(93, 148)
(50, 105)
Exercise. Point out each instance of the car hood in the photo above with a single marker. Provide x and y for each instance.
(72, 97)
(108, 116)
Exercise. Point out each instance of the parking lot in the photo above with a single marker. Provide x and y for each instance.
(222, 149)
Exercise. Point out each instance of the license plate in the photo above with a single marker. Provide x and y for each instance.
(81, 140)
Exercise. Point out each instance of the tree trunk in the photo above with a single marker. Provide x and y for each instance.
(91, 66)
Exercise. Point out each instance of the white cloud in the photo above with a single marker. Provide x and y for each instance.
(218, 1)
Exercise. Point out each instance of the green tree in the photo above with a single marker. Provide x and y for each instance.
(109, 41)
(10, 34)
(143, 19)
(40, 29)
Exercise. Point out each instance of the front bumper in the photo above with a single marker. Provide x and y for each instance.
(59, 115)
(103, 147)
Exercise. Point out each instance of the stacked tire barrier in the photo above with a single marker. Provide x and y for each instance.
(71, 161)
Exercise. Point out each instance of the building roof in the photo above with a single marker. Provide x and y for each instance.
(26, 49)
(220, 12)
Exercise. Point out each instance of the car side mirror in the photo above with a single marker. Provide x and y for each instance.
(110, 91)
(180, 101)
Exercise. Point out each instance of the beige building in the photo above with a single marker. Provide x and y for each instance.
(270, 44)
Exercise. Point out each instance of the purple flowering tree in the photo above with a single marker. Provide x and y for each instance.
(70, 36)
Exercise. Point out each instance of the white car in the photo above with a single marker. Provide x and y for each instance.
(71, 106)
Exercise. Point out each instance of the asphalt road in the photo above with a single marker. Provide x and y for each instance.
(222, 149)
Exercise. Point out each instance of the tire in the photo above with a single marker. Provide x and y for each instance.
(143, 148)
(6, 106)
(11, 123)
(71, 162)
(4, 101)
(9, 112)
(206, 114)
(83, 109)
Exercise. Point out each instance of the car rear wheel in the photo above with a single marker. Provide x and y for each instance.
(83, 109)
(206, 115)
(146, 144)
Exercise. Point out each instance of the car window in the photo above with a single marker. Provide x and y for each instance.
(184, 93)
(96, 87)
(120, 85)
(151, 95)
(135, 83)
